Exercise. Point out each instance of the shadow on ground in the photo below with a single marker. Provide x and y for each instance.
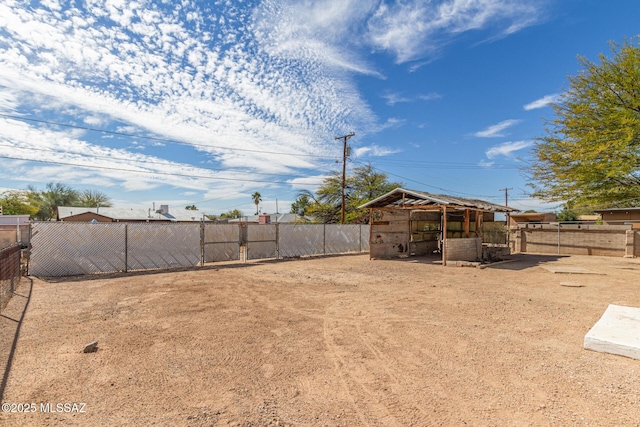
(523, 261)
(11, 320)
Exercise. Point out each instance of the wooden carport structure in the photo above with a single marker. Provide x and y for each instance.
(405, 222)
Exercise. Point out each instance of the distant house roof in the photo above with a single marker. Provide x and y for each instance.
(401, 198)
(131, 214)
(601, 211)
(534, 217)
(14, 219)
(284, 217)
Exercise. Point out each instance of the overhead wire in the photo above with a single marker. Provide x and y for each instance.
(165, 163)
(168, 140)
(142, 171)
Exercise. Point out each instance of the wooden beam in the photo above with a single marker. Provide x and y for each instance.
(477, 230)
(467, 213)
(370, 230)
(444, 235)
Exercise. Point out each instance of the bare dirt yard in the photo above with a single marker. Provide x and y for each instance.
(336, 341)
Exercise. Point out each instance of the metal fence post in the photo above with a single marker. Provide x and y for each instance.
(558, 237)
(324, 239)
(126, 248)
(277, 240)
(202, 244)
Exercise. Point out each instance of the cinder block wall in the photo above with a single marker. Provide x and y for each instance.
(390, 235)
(599, 240)
(464, 249)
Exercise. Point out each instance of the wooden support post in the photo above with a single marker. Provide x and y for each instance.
(444, 235)
(466, 222)
(370, 230)
(477, 229)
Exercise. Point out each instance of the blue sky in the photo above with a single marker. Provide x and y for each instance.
(206, 102)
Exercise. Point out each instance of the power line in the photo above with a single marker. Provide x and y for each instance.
(153, 138)
(144, 172)
(422, 183)
(165, 163)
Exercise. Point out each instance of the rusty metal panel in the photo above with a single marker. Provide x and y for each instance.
(221, 242)
(341, 238)
(9, 272)
(261, 241)
(166, 245)
(297, 240)
(72, 248)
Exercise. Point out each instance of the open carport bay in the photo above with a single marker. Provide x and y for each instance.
(325, 341)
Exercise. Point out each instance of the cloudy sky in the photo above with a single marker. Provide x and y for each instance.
(205, 102)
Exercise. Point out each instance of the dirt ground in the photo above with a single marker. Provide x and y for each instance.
(336, 341)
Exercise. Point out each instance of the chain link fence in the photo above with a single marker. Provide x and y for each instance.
(9, 272)
(74, 248)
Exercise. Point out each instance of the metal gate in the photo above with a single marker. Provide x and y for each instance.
(221, 242)
(262, 241)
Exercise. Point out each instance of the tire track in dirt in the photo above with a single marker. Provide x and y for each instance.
(339, 364)
(388, 396)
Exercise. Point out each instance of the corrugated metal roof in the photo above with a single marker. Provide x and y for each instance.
(284, 218)
(14, 219)
(409, 199)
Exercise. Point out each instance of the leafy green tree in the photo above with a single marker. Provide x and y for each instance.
(363, 185)
(94, 199)
(590, 155)
(257, 198)
(300, 205)
(235, 213)
(191, 208)
(567, 215)
(19, 202)
(55, 194)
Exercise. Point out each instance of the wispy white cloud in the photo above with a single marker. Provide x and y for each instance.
(307, 183)
(392, 122)
(430, 96)
(394, 98)
(485, 163)
(374, 151)
(496, 130)
(411, 30)
(542, 102)
(507, 149)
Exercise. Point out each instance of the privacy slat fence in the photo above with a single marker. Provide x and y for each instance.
(66, 248)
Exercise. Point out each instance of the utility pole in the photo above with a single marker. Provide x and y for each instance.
(506, 201)
(344, 169)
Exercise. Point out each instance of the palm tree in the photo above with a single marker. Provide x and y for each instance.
(56, 194)
(94, 199)
(257, 198)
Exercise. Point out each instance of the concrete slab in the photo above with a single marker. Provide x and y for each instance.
(568, 269)
(617, 332)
